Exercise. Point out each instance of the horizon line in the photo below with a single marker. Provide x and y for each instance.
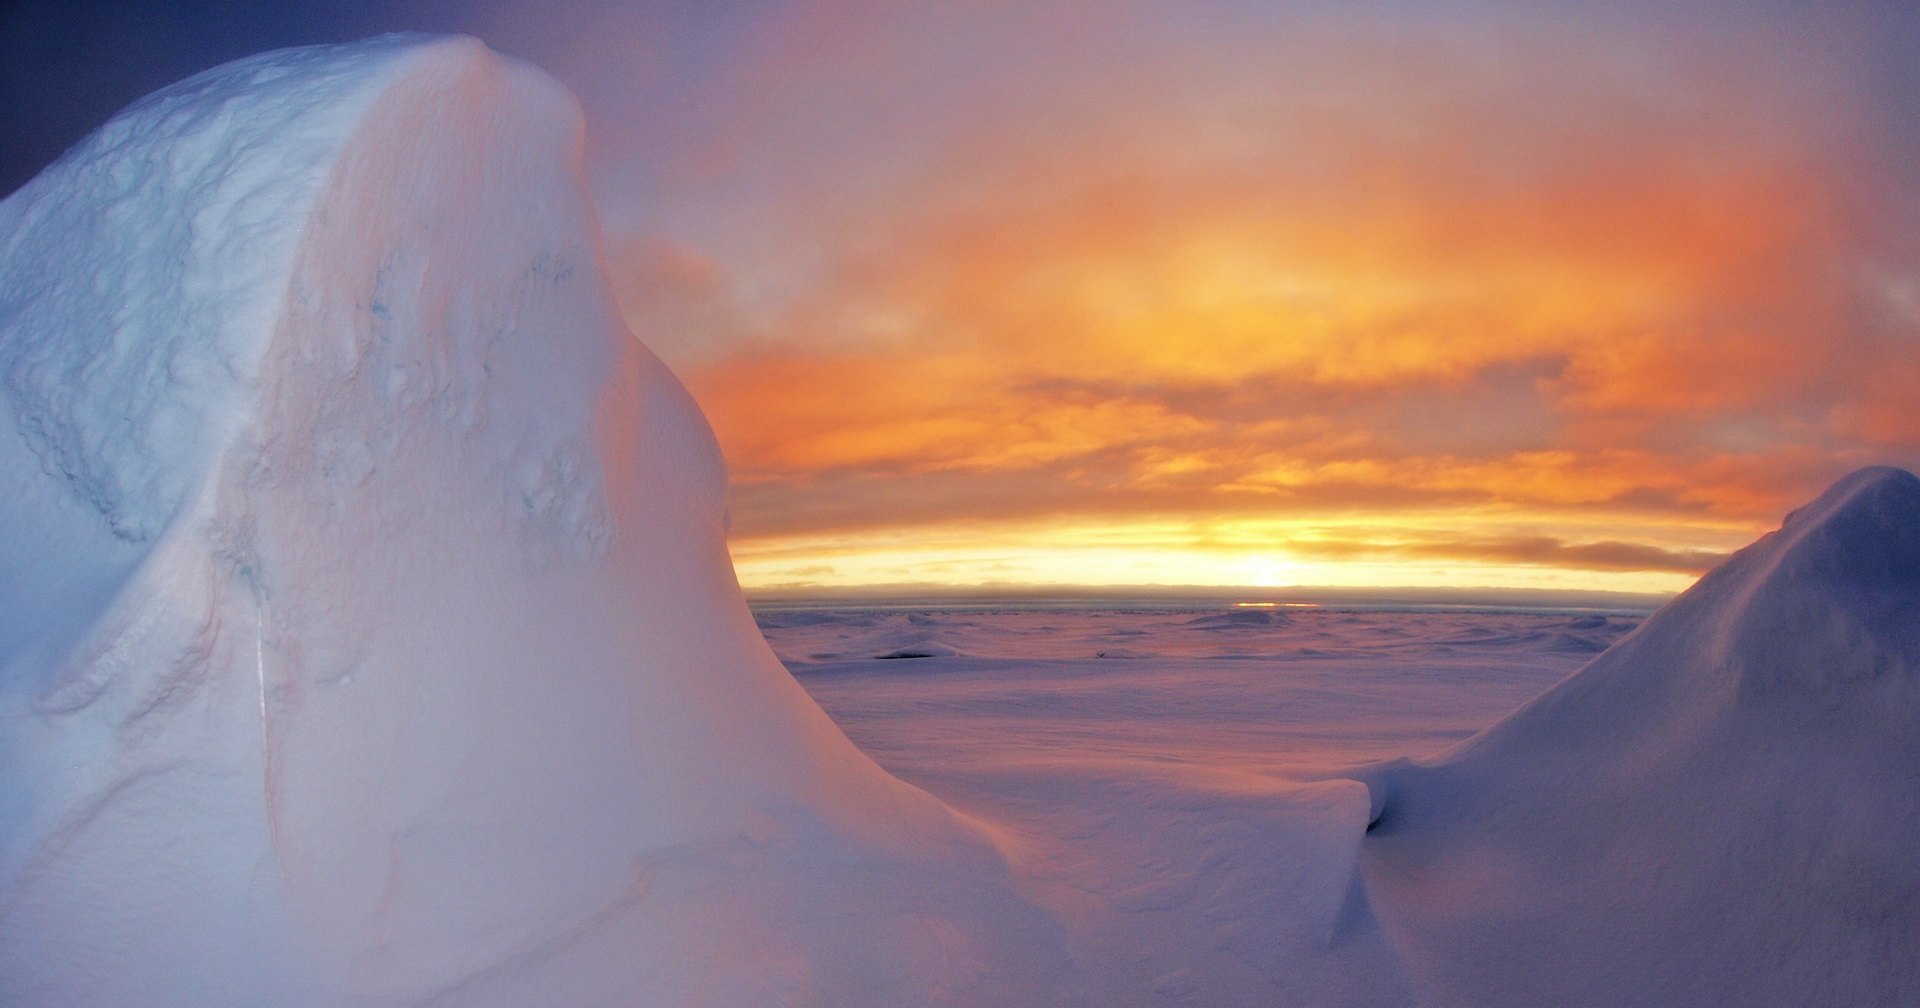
(911, 593)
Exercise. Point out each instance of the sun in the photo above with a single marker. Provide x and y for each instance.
(1267, 570)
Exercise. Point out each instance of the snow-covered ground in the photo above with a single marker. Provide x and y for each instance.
(1295, 692)
(368, 638)
(1159, 771)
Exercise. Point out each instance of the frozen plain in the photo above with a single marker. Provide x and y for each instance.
(1171, 776)
(367, 637)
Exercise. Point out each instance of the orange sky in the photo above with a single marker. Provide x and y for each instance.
(1541, 296)
(1564, 293)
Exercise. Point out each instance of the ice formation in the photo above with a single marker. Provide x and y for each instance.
(1720, 809)
(367, 633)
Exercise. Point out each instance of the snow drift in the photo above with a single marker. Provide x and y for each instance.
(367, 633)
(1720, 809)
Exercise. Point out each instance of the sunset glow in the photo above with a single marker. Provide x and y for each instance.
(1397, 548)
(1507, 299)
(1466, 293)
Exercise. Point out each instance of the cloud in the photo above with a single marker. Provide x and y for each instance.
(934, 265)
(1542, 551)
(1361, 267)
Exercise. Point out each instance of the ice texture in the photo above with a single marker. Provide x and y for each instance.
(367, 631)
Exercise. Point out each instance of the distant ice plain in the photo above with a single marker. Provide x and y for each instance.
(1297, 691)
(1169, 776)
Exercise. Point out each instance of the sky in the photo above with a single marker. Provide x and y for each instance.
(1554, 294)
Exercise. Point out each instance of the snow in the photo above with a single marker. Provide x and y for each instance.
(1186, 814)
(1720, 809)
(368, 637)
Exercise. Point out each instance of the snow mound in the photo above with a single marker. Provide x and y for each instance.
(1720, 809)
(1829, 601)
(1241, 619)
(367, 632)
(927, 648)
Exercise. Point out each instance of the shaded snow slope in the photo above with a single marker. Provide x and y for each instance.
(1721, 809)
(367, 633)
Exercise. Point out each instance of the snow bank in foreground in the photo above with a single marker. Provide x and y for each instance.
(1721, 809)
(367, 634)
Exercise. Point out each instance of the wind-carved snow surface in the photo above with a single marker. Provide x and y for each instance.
(1721, 809)
(367, 633)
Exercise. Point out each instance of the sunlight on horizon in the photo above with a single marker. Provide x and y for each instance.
(1519, 295)
(1371, 301)
(1387, 552)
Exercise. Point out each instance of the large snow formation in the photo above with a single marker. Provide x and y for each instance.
(1720, 809)
(367, 633)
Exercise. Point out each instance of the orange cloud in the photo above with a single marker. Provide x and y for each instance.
(1378, 272)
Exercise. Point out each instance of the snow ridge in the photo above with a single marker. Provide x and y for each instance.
(1833, 598)
(1718, 809)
